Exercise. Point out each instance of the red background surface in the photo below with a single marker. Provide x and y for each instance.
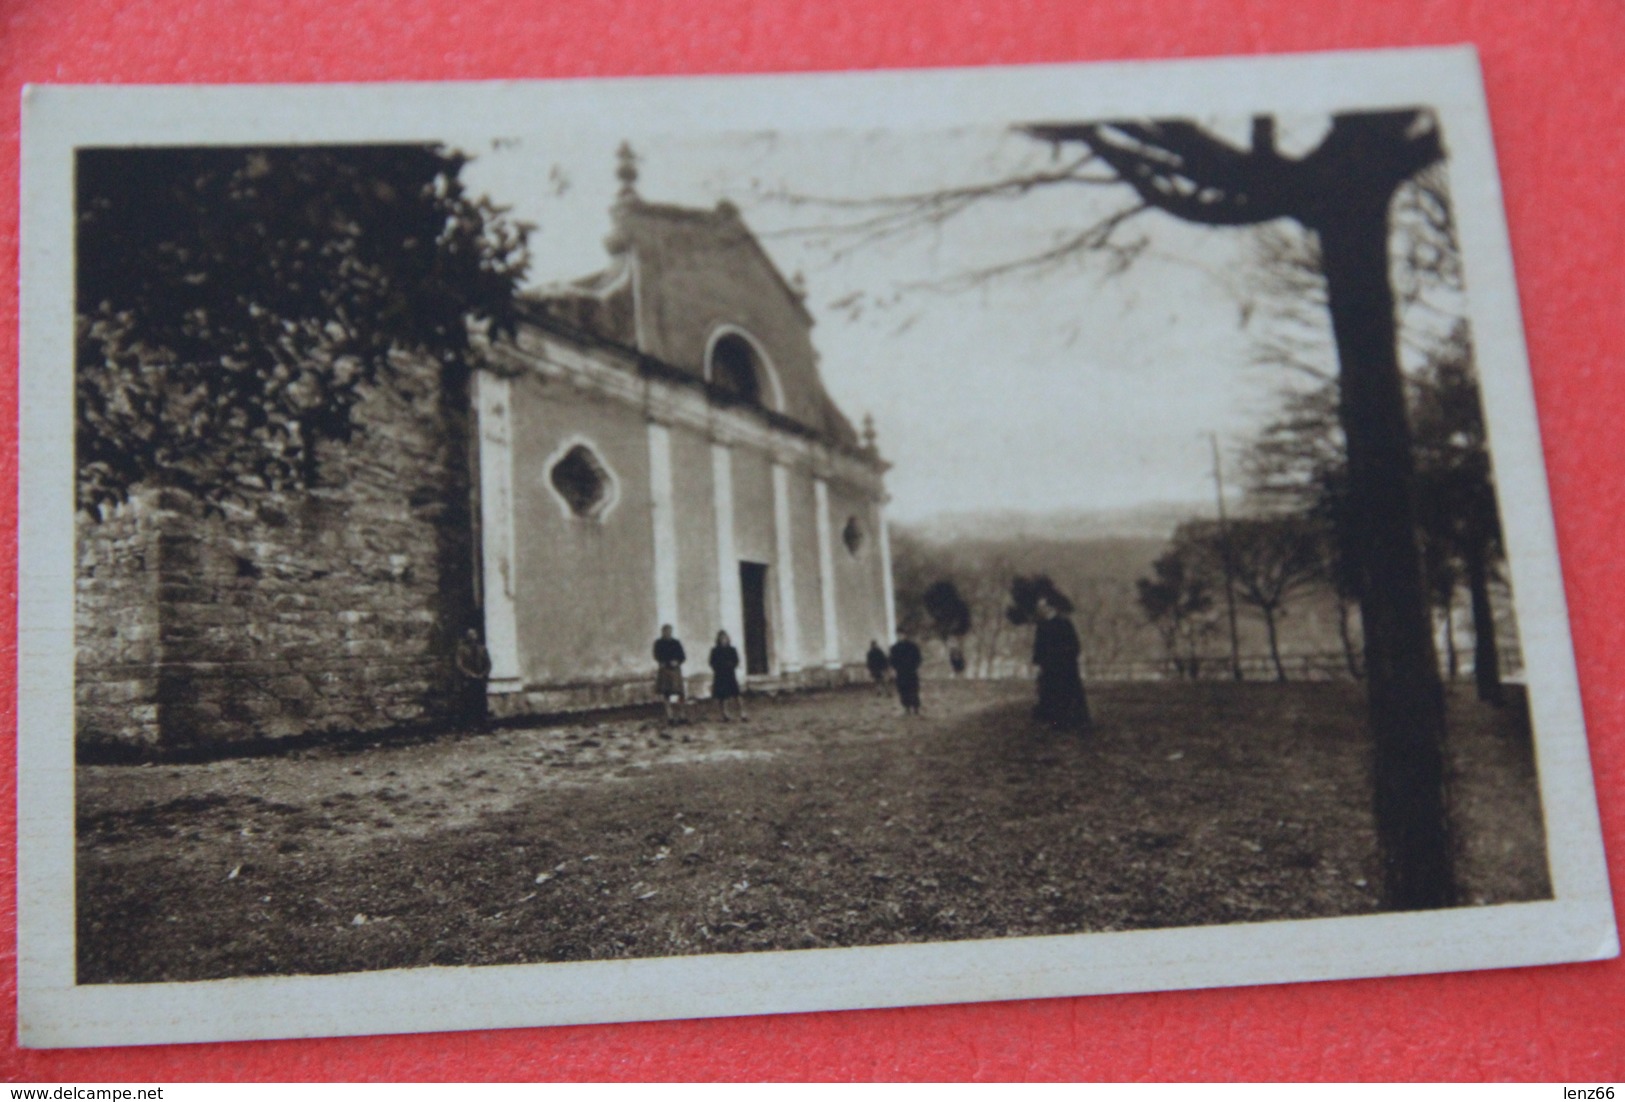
(1556, 82)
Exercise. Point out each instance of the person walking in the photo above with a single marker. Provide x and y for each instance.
(1061, 700)
(669, 659)
(879, 667)
(905, 660)
(725, 677)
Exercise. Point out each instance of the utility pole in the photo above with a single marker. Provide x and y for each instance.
(1229, 568)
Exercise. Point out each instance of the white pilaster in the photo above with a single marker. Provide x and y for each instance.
(826, 574)
(888, 594)
(784, 567)
(493, 416)
(730, 608)
(664, 519)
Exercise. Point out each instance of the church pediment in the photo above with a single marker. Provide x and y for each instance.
(694, 289)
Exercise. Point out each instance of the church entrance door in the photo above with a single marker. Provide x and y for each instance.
(753, 591)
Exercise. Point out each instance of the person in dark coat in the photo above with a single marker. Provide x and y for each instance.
(473, 663)
(725, 677)
(1061, 700)
(956, 658)
(905, 663)
(879, 667)
(669, 659)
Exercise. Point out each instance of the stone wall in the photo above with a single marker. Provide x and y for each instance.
(328, 610)
(116, 624)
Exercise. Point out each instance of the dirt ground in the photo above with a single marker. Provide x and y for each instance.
(827, 820)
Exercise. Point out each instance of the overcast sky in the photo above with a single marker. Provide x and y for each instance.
(1073, 389)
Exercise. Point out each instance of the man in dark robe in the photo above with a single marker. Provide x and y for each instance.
(1061, 701)
(905, 664)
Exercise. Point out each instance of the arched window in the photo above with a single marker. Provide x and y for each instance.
(736, 369)
(852, 536)
(581, 480)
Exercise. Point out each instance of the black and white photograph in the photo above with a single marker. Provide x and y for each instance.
(519, 554)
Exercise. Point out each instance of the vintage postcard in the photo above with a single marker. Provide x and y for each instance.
(524, 553)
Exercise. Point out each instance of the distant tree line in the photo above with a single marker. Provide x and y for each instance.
(978, 595)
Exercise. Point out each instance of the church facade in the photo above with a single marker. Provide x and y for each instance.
(654, 445)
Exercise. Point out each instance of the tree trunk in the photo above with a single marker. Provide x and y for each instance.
(1405, 697)
(1452, 663)
(1350, 658)
(1275, 645)
(1486, 655)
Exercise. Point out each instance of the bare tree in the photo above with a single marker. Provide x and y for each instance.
(1177, 601)
(989, 587)
(1107, 625)
(1298, 462)
(1273, 560)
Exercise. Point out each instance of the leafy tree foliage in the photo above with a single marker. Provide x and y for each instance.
(235, 304)
(950, 614)
(916, 564)
(1026, 590)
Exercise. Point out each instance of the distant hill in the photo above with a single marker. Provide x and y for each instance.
(1152, 521)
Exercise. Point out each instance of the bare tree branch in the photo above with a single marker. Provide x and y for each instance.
(1095, 238)
(1183, 170)
(899, 215)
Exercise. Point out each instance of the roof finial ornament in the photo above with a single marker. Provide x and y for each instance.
(869, 433)
(626, 170)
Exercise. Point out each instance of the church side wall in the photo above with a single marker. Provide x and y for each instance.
(116, 625)
(584, 586)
